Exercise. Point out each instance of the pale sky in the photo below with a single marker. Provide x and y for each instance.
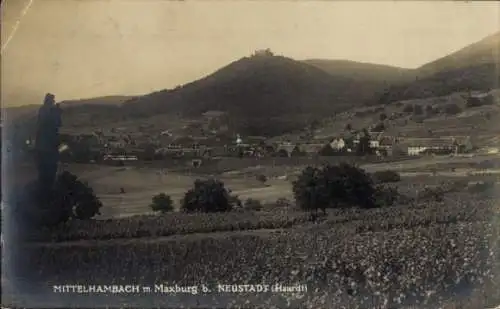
(87, 48)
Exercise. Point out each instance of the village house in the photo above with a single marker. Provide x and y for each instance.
(338, 144)
(464, 143)
(285, 148)
(386, 145)
(490, 150)
(119, 157)
(419, 146)
(374, 143)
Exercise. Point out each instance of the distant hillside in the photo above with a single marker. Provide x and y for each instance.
(376, 73)
(475, 67)
(83, 112)
(271, 95)
(107, 100)
(486, 51)
(262, 94)
(15, 112)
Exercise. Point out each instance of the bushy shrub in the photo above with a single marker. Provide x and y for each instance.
(327, 151)
(342, 185)
(386, 176)
(430, 110)
(207, 196)
(452, 109)
(482, 187)
(253, 204)
(473, 102)
(386, 196)
(418, 110)
(476, 102)
(283, 202)
(162, 203)
(379, 127)
(486, 164)
(72, 193)
(408, 108)
(435, 194)
(261, 178)
(70, 198)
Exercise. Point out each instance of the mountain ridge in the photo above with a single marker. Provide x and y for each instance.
(257, 88)
(261, 92)
(486, 50)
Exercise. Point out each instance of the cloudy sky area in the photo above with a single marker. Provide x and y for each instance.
(87, 48)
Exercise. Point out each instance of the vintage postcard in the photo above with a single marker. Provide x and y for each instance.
(250, 154)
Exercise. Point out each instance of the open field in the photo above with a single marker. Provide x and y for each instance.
(420, 255)
(141, 184)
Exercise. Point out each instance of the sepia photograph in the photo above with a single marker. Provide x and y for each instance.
(250, 154)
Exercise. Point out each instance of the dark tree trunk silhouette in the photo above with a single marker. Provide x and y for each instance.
(47, 144)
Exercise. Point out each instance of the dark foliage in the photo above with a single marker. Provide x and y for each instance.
(328, 151)
(282, 153)
(473, 102)
(261, 178)
(386, 176)
(452, 109)
(47, 143)
(486, 164)
(487, 187)
(207, 196)
(418, 119)
(476, 102)
(70, 198)
(478, 77)
(283, 202)
(72, 193)
(408, 108)
(363, 147)
(337, 186)
(162, 203)
(429, 110)
(297, 152)
(418, 110)
(80, 152)
(386, 196)
(379, 127)
(435, 194)
(253, 204)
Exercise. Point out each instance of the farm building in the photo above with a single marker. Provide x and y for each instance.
(386, 145)
(285, 148)
(338, 144)
(418, 146)
(120, 158)
(374, 143)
